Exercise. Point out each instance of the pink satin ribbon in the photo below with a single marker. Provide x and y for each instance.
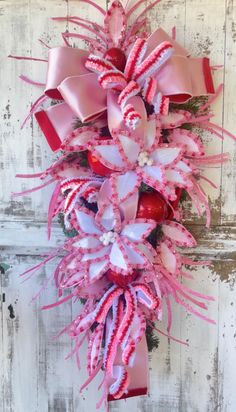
(56, 123)
(180, 78)
(64, 62)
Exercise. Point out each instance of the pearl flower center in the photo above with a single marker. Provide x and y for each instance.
(144, 159)
(108, 237)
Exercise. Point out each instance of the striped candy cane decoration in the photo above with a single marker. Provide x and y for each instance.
(137, 76)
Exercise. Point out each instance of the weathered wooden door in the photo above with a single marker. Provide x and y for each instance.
(34, 375)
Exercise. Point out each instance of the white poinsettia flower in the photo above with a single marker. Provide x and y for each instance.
(135, 160)
(104, 244)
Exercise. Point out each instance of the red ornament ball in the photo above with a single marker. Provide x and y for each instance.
(116, 57)
(121, 280)
(95, 164)
(152, 206)
(174, 203)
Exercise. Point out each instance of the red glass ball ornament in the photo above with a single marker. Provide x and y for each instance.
(116, 57)
(121, 280)
(95, 164)
(152, 206)
(174, 203)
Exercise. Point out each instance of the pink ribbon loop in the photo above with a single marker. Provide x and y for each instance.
(56, 123)
(180, 78)
(158, 37)
(84, 96)
(63, 62)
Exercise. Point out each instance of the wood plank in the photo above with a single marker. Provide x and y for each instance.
(35, 377)
(228, 210)
(24, 151)
(227, 341)
(205, 36)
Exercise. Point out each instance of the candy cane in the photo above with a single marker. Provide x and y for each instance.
(131, 117)
(153, 62)
(135, 57)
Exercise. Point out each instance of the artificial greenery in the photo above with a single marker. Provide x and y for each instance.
(193, 105)
(152, 339)
(68, 233)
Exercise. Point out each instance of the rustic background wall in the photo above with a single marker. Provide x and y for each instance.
(34, 375)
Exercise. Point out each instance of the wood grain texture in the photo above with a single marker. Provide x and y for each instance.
(35, 377)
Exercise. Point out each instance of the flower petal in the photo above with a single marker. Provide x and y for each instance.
(86, 222)
(138, 231)
(70, 171)
(175, 119)
(117, 257)
(105, 193)
(165, 155)
(151, 133)
(96, 255)
(168, 257)
(126, 184)
(109, 155)
(107, 217)
(97, 269)
(130, 147)
(191, 141)
(80, 139)
(133, 255)
(115, 23)
(129, 207)
(88, 242)
(183, 166)
(178, 234)
(155, 172)
(148, 251)
(176, 177)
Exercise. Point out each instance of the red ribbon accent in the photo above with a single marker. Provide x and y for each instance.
(130, 394)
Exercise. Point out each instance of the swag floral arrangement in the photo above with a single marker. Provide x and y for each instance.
(124, 118)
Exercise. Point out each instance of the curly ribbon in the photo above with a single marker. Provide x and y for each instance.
(138, 373)
(180, 78)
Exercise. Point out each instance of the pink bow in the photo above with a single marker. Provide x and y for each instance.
(180, 78)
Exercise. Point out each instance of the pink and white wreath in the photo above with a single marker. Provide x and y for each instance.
(130, 147)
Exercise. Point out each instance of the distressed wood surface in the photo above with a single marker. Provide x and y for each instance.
(35, 377)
